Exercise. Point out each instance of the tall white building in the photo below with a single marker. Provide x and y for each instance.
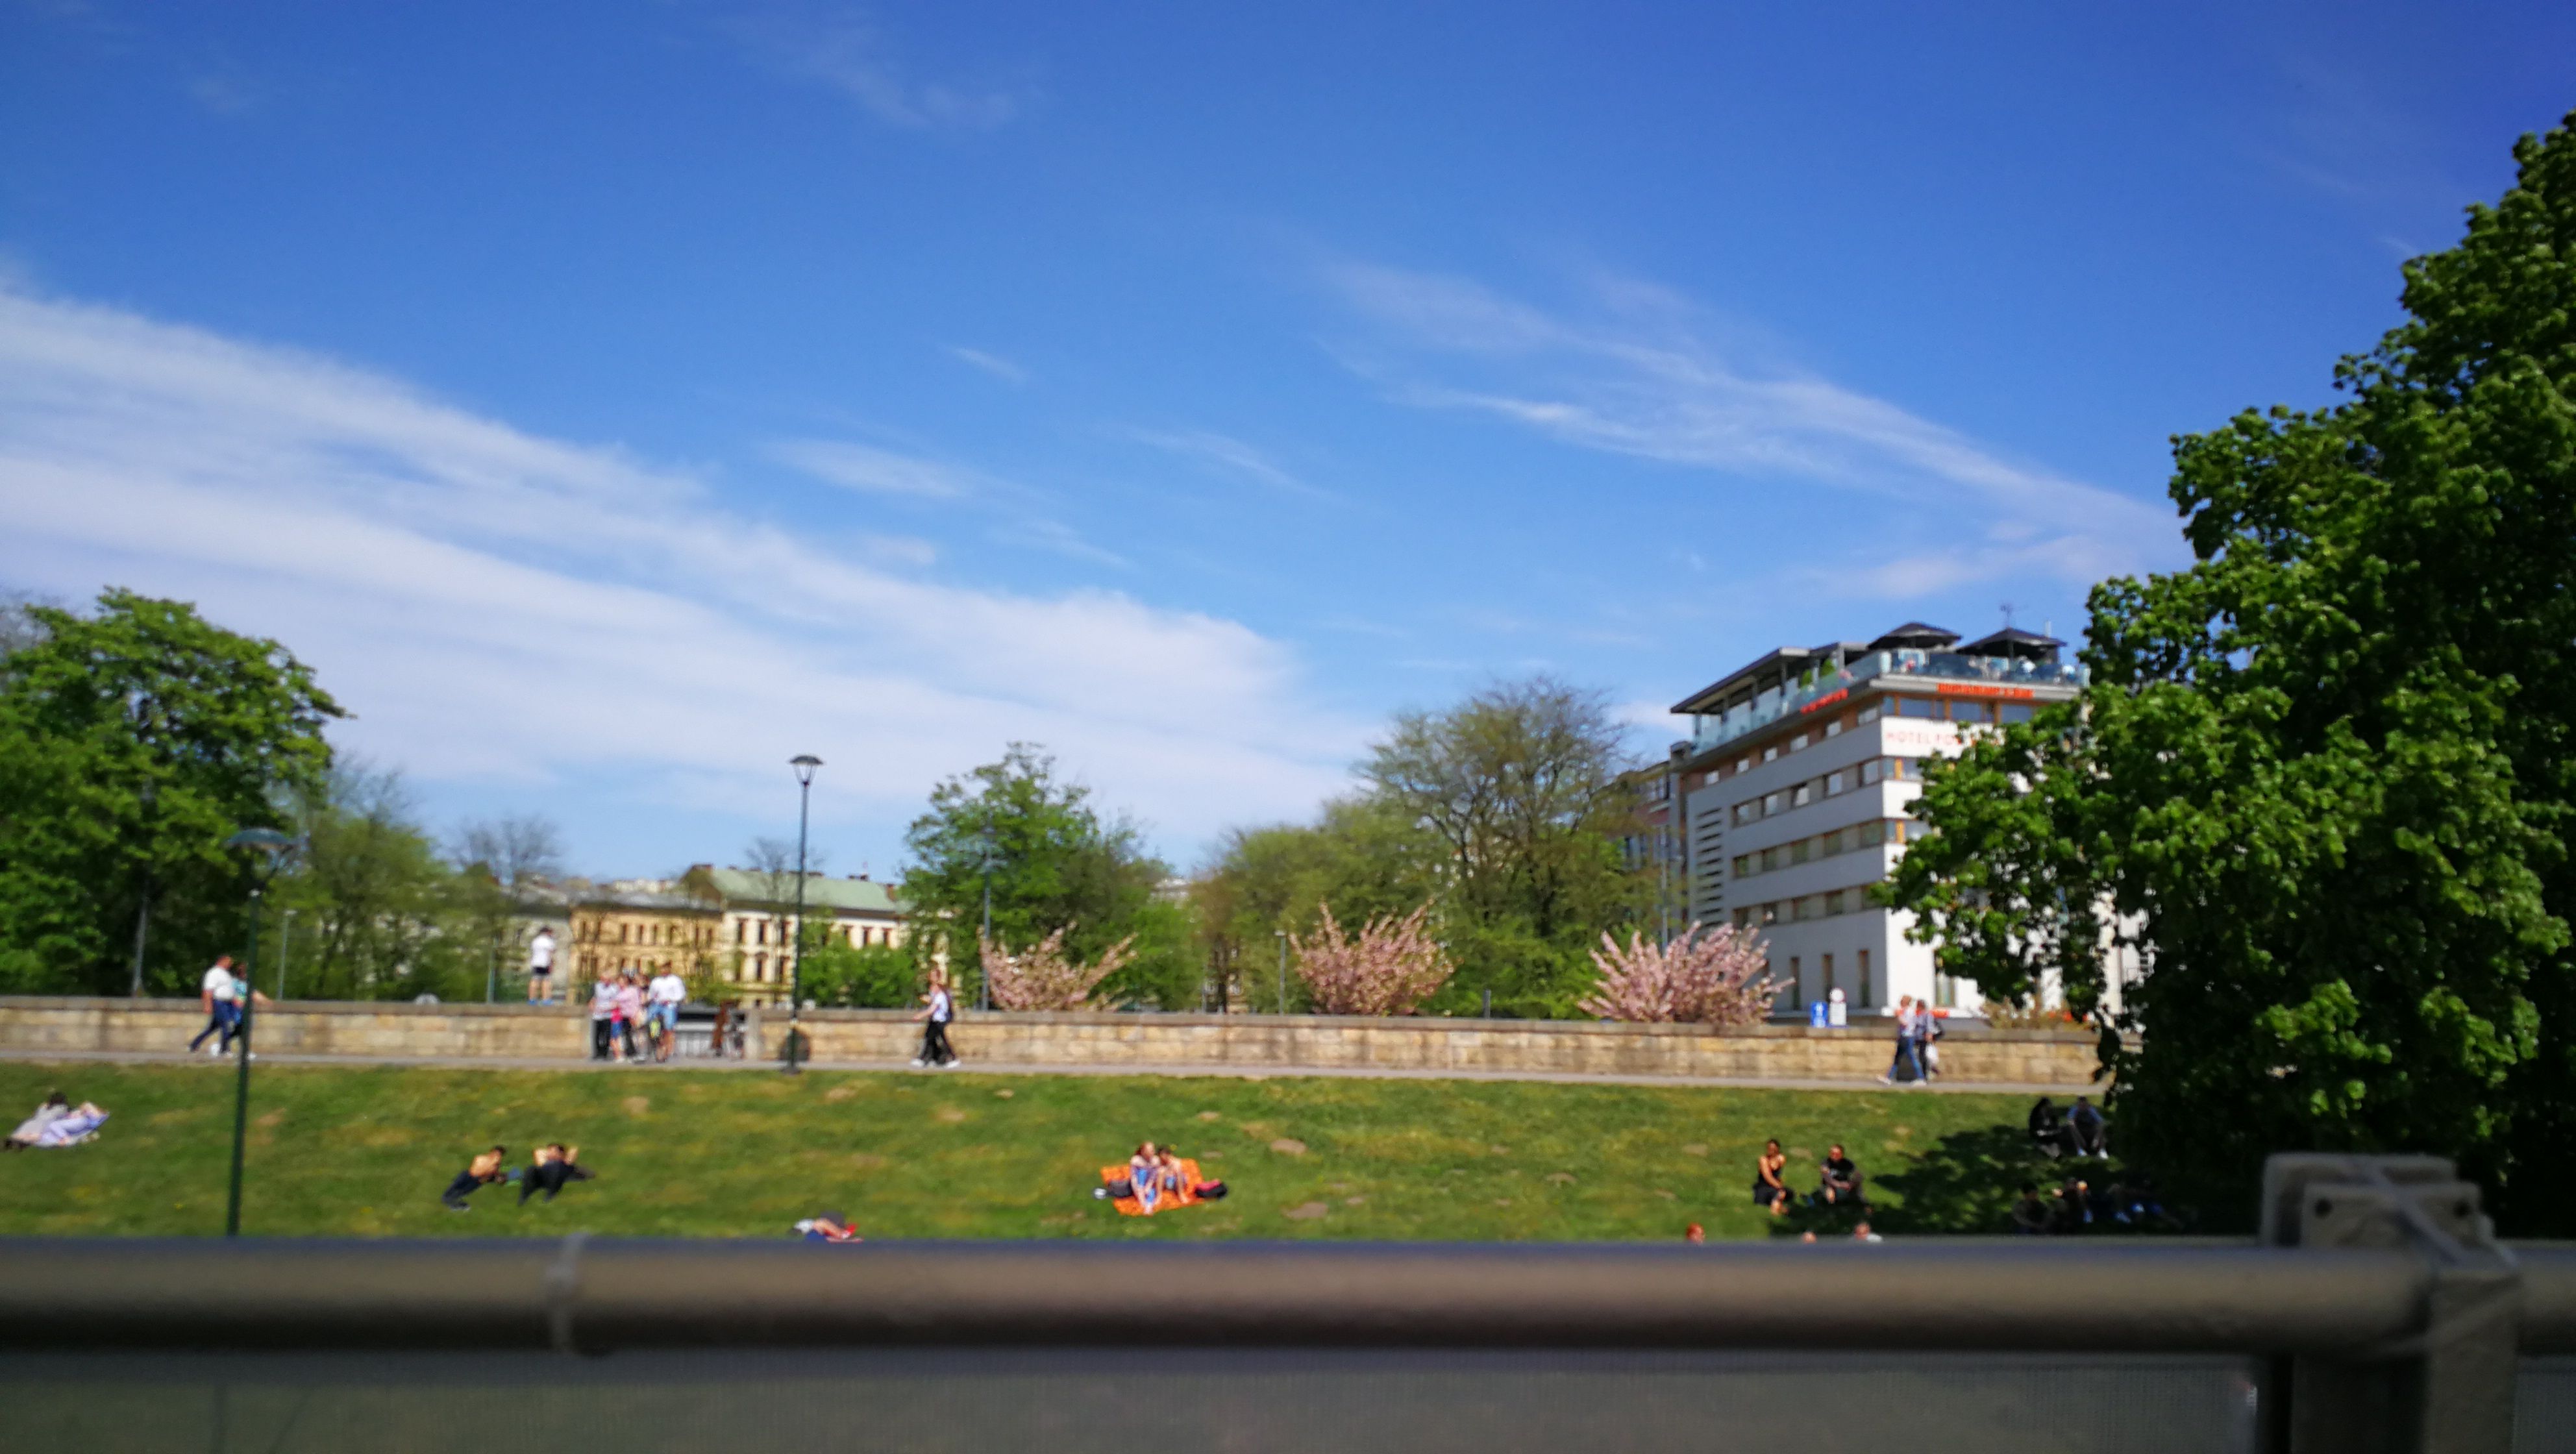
(1797, 790)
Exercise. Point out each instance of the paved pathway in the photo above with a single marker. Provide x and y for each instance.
(133, 1057)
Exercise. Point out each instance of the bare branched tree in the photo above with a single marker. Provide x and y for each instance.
(519, 853)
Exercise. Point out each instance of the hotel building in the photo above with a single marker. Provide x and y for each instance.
(1797, 788)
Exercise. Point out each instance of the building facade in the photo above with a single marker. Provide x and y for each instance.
(758, 928)
(1797, 791)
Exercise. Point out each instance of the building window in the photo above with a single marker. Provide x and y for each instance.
(1799, 795)
(1971, 712)
(1797, 742)
(1793, 967)
(1917, 707)
(1825, 964)
(1945, 991)
(1834, 728)
(2011, 712)
(1744, 764)
(1864, 978)
(1771, 752)
(1833, 783)
(1869, 713)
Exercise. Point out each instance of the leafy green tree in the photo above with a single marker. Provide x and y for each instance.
(380, 915)
(861, 976)
(1505, 809)
(133, 742)
(1053, 863)
(2324, 775)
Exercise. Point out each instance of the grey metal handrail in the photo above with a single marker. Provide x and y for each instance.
(606, 1295)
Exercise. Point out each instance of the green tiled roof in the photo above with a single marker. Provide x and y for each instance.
(857, 895)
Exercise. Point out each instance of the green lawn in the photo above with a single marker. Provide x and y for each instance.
(365, 1151)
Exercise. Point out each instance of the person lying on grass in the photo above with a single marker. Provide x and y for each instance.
(829, 1227)
(483, 1170)
(555, 1169)
(56, 1123)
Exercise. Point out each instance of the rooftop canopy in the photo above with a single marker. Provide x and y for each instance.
(2014, 644)
(1915, 636)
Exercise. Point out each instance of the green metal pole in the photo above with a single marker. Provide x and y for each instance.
(241, 1076)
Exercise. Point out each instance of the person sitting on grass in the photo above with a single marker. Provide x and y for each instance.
(1144, 1176)
(2048, 1135)
(2030, 1214)
(483, 1170)
(829, 1227)
(1862, 1233)
(2086, 1128)
(1175, 1178)
(56, 1123)
(554, 1170)
(1840, 1185)
(1695, 1234)
(1768, 1189)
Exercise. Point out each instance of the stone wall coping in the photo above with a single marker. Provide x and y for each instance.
(1105, 1019)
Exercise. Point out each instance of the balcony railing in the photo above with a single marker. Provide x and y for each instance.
(1716, 729)
(2375, 1315)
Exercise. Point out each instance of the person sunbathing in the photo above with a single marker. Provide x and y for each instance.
(483, 1170)
(1144, 1176)
(1168, 1171)
(56, 1123)
(555, 1169)
(829, 1227)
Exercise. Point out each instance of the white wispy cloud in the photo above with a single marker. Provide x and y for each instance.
(851, 57)
(1643, 381)
(501, 607)
(1230, 455)
(991, 363)
(871, 470)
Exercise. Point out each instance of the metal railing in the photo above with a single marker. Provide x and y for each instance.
(2379, 1313)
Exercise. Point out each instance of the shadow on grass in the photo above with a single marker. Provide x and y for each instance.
(1963, 1186)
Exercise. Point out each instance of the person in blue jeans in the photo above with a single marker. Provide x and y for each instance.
(1909, 1041)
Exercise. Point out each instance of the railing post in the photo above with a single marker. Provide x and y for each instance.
(2448, 1388)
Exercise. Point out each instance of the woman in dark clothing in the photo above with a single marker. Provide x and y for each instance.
(555, 1170)
(1768, 1189)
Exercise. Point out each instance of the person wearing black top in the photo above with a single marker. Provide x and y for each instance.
(2048, 1129)
(555, 1170)
(1840, 1182)
(2030, 1215)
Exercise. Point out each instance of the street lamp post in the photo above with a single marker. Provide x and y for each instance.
(271, 845)
(804, 763)
(143, 904)
(984, 981)
(1282, 936)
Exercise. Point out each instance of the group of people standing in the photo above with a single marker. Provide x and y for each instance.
(622, 1002)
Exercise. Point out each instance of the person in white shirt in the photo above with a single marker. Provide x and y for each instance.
(541, 967)
(938, 1009)
(223, 1012)
(662, 999)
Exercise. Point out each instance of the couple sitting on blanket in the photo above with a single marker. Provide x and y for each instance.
(1155, 1178)
(56, 1123)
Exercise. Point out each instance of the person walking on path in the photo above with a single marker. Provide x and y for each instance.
(223, 1012)
(603, 1014)
(541, 967)
(935, 1016)
(1909, 1030)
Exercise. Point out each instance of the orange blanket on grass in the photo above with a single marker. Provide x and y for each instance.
(1128, 1206)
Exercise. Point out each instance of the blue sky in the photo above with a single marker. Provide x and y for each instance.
(614, 400)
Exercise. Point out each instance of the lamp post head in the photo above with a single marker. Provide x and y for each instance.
(267, 840)
(804, 763)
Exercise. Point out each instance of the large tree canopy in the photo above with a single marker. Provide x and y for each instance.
(133, 741)
(1052, 863)
(1505, 810)
(2323, 776)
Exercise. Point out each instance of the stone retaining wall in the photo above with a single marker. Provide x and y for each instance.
(1093, 1040)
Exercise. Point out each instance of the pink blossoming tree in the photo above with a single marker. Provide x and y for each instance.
(1714, 976)
(1043, 977)
(1391, 967)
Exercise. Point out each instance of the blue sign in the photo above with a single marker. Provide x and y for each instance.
(1816, 1014)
